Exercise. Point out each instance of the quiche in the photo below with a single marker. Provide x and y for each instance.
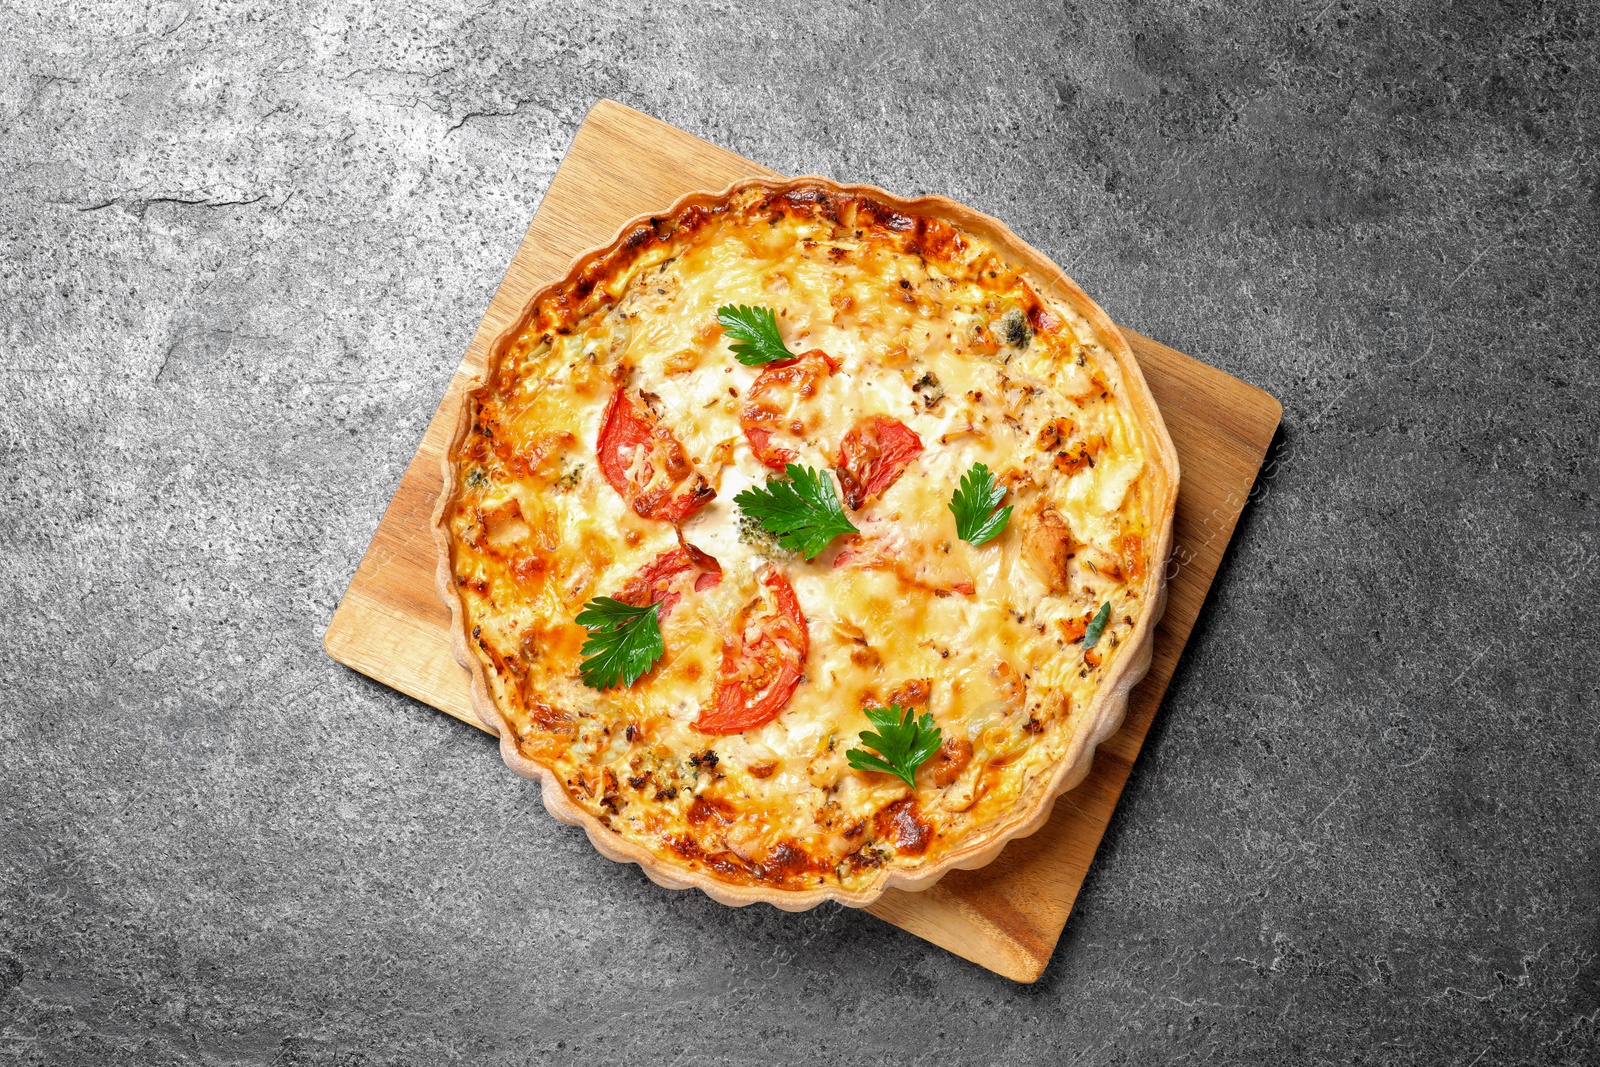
(804, 541)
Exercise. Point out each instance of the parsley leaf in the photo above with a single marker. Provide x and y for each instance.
(800, 509)
(972, 504)
(755, 334)
(1097, 626)
(624, 642)
(903, 742)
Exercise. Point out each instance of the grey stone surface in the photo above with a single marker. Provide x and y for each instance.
(241, 250)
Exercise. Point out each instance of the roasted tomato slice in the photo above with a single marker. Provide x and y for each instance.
(872, 456)
(666, 578)
(762, 659)
(646, 464)
(769, 406)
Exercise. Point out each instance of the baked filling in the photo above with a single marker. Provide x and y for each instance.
(625, 464)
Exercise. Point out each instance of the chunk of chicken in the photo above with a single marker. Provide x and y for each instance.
(1049, 548)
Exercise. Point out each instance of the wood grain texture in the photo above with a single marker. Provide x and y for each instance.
(1006, 917)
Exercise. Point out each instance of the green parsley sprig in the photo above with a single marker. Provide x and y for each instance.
(754, 330)
(1097, 626)
(800, 509)
(624, 642)
(903, 742)
(973, 506)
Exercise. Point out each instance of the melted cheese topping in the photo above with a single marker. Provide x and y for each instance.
(928, 326)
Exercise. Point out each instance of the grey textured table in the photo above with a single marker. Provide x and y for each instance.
(241, 255)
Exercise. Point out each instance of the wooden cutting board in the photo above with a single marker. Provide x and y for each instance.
(1006, 917)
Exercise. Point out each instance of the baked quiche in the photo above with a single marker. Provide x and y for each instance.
(805, 541)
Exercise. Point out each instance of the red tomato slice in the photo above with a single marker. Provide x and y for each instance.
(762, 660)
(646, 464)
(772, 398)
(872, 456)
(665, 579)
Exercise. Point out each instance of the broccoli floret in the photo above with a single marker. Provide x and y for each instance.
(1014, 328)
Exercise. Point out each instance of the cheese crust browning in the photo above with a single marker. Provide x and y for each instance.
(601, 455)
